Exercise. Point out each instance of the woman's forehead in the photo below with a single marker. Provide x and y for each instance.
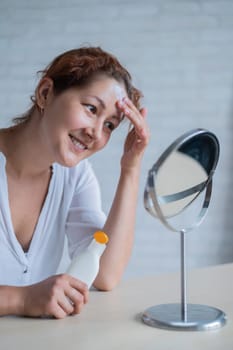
(102, 77)
(120, 92)
(106, 86)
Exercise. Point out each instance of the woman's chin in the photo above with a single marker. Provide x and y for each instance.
(70, 160)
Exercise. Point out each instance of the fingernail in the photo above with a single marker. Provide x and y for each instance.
(120, 102)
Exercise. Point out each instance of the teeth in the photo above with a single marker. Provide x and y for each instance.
(77, 143)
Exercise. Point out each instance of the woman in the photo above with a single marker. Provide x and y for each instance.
(48, 189)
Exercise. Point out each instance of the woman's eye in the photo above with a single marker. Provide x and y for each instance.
(111, 126)
(91, 108)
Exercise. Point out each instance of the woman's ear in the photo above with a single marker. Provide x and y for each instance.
(43, 92)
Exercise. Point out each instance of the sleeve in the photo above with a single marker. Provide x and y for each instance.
(85, 214)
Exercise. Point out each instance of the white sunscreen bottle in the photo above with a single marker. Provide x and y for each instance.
(85, 266)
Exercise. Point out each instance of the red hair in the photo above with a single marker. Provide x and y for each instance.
(78, 67)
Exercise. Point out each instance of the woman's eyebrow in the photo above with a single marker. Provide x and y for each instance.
(119, 118)
(101, 102)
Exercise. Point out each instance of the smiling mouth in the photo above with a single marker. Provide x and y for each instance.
(78, 144)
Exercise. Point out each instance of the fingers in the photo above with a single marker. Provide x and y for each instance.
(77, 294)
(69, 296)
(136, 117)
(143, 112)
(129, 109)
(57, 296)
(76, 300)
(81, 287)
(64, 307)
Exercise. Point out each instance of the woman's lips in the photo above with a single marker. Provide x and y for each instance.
(77, 143)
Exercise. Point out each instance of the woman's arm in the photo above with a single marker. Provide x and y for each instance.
(120, 223)
(57, 296)
(120, 229)
(11, 300)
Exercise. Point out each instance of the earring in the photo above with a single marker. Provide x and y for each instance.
(40, 109)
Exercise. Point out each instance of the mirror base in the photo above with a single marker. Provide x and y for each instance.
(199, 317)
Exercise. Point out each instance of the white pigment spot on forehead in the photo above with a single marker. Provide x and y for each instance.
(119, 91)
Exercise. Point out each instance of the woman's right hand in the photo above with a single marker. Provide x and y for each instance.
(57, 296)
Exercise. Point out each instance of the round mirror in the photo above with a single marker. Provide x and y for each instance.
(178, 191)
(182, 173)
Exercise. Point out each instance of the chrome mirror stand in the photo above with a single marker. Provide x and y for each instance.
(183, 316)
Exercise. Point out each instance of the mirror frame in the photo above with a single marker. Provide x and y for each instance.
(151, 202)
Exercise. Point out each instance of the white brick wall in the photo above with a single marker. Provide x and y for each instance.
(180, 54)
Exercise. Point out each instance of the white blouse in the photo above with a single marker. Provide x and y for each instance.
(72, 207)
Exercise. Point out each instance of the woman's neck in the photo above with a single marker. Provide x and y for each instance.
(24, 150)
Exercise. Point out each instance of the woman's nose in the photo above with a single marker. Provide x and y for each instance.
(95, 130)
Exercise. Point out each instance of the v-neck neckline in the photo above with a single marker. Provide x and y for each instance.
(37, 231)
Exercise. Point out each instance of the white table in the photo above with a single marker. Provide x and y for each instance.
(112, 320)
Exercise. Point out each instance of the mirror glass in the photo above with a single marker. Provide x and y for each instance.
(179, 180)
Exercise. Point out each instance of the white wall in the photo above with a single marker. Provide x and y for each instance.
(180, 54)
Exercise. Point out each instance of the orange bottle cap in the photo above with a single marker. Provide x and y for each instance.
(101, 237)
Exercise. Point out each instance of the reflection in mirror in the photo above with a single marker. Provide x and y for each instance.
(178, 191)
(179, 181)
